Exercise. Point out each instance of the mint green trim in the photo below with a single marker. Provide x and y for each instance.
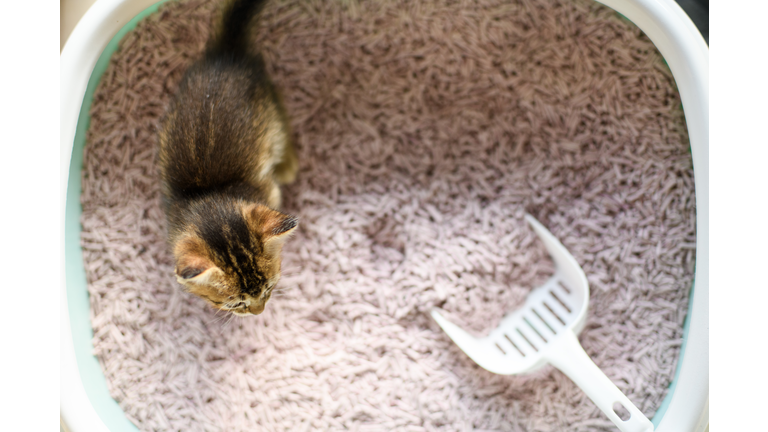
(686, 327)
(93, 379)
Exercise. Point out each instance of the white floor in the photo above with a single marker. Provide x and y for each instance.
(71, 12)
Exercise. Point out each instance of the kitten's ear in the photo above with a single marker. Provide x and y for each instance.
(274, 227)
(192, 262)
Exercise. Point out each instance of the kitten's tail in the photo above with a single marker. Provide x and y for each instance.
(232, 33)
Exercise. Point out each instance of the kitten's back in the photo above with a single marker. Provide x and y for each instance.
(217, 130)
(224, 128)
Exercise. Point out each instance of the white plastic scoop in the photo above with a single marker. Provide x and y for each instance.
(544, 331)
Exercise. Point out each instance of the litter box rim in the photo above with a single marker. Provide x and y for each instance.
(84, 59)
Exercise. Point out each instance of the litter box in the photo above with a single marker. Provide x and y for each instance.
(85, 402)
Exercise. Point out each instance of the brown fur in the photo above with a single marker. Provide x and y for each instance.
(224, 150)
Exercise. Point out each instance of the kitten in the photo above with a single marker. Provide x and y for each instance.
(224, 150)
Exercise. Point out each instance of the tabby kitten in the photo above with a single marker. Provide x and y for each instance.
(224, 150)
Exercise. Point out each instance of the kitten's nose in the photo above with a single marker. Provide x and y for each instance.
(257, 309)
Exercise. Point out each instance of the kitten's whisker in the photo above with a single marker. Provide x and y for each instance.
(292, 268)
(290, 272)
(215, 317)
(218, 319)
(230, 320)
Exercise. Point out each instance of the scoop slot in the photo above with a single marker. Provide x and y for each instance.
(534, 329)
(500, 348)
(544, 321)
(554, 314)
(565, 306)
(527, 340)
(514, 345)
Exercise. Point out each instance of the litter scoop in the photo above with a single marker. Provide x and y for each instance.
(544, 331)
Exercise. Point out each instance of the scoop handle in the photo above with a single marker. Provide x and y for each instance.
(566, 354)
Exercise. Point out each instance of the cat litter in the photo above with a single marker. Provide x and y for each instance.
(425, 131)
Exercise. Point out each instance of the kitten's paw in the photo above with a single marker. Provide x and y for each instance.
(286, 171)
(285, 174)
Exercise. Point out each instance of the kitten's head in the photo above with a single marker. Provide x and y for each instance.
(230, 256)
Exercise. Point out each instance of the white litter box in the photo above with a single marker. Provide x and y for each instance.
(85, 402)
